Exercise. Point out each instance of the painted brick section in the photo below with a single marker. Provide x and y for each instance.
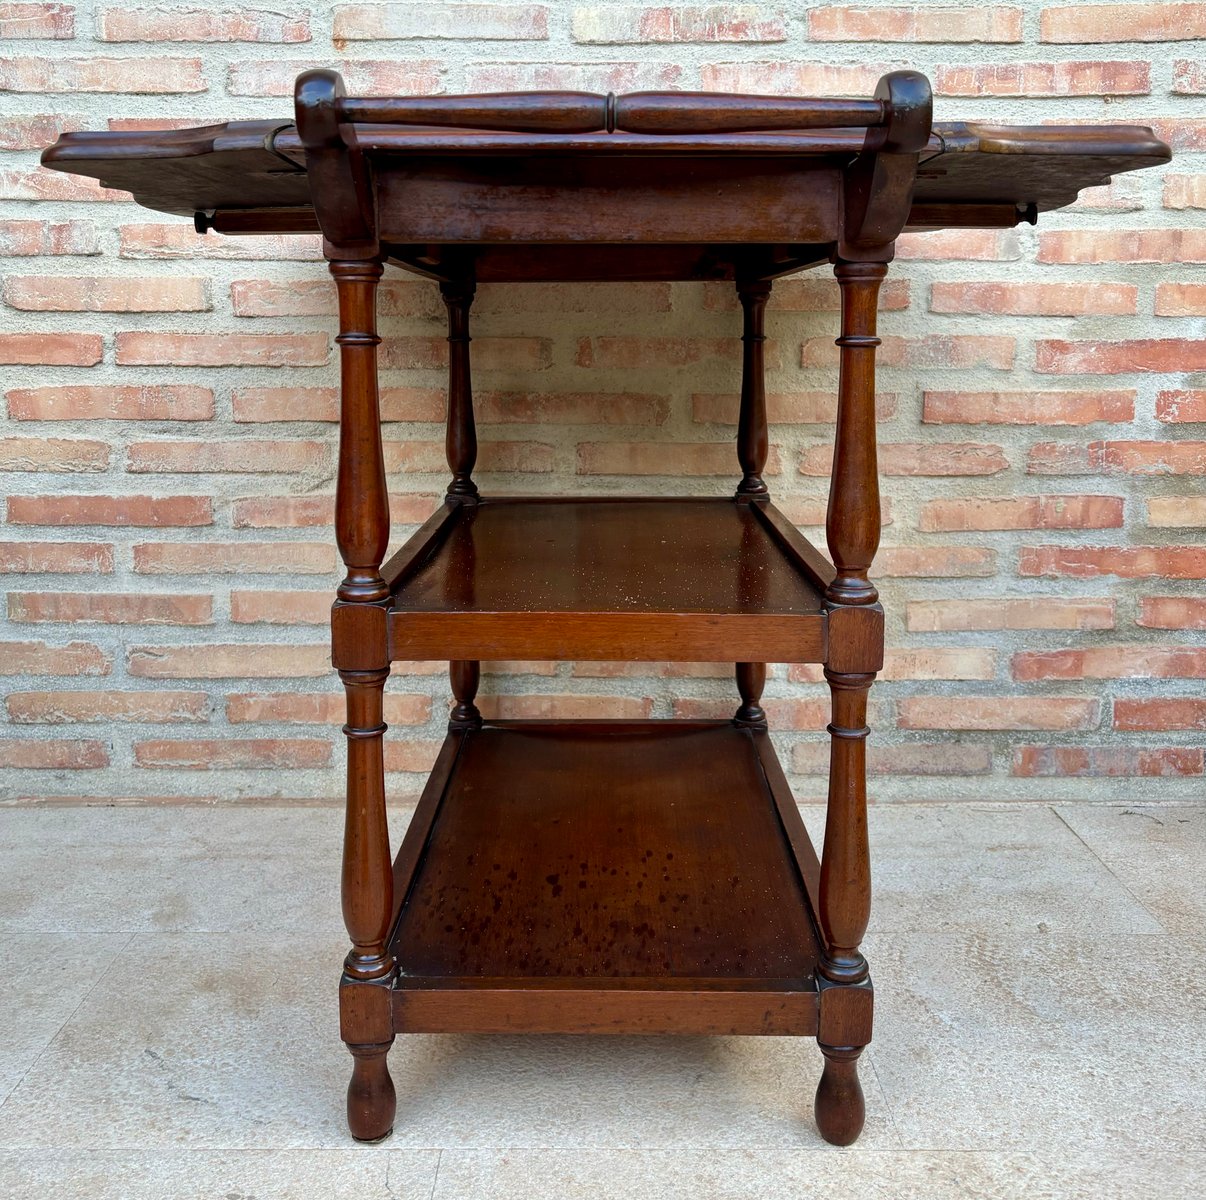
(170, 406)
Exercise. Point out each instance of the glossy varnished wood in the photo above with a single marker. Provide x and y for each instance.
(607, 858)
(606, 578)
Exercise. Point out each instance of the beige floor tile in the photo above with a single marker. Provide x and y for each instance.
(1158, 852)
(766, 1173)
(183, 868)
(1004, 1042)
(43, 978)
(212, 1040)
(217, 1175)
(1018, 869)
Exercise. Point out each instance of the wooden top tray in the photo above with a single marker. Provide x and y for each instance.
(644, 186)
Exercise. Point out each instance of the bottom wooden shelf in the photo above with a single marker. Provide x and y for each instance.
(600, 876)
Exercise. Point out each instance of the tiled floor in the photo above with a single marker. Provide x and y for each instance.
(168, 1029)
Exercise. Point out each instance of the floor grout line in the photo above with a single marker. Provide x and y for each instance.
(63, 1024)
(1110, 871)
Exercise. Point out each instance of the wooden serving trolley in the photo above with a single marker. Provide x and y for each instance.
(606, 876)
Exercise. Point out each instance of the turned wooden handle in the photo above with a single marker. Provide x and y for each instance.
(900, 108)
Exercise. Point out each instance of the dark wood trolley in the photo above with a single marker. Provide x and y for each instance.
(606, 876)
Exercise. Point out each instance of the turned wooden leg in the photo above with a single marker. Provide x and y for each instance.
(465, 675)
(461, 433)
(372, 1101)
(840, 1109)
(752, 438)
(751, 679)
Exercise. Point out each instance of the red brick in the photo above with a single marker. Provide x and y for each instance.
(33, 131)
(292, 607)
(121, 402)
(1122, 245)
(570, 408)
(997, 712)
(72, 455)
(148, 511)
(1117, 458)
(1124, 194)
(934, 562)
(470, 21)
(1138, 716)
(605, 77)
(909, 758)
(1184, 191)
(39, 183)
(801, 294)
(1030, 79)
(1172, 612)
(111, 608)
(222, 349)
(199, 25)
(1028, 408)
(566, 708)
(1177, 512)
(364, 77)
(1114, 358)
(209, 754)
(937, 351)
(509, 456)
(1111, 662)
(1180, 133)
(51, 349)
(283, 512)
(41, 658)
(1003, 612)
(1189, 77)
(489, 353)
(915, 23)
(616, 23)
(328, 708)
(1022, 512)
(1181, 300)
(410, 755)
(938, 663)
(24, 239)
(1096, 761)
(92, 293)
(643, 670)
(263, 404)
(63, 708)
(243, 558)
(182, 241)
(783, 714)
(786, 78)
(1126, 562)
(784, 408)
(37, 21)
(146, 76)
(662, 458)
(315, 297)
(627, 353)
(1162, 22)
(233, 661)
(920, 458)
(1035, 299)
(59, 754)
(56, 558)
(243, 455)
(966, 245)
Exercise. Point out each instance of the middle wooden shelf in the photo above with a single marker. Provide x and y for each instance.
(608, 578)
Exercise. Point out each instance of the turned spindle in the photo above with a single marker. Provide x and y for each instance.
(461, 436)
(752, 438)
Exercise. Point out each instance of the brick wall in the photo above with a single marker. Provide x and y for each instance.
(168, 450)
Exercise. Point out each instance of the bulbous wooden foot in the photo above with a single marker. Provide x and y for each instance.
(371, 1098)
(840, 1110)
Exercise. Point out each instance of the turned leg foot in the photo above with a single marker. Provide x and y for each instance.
(371, 1098)
(840, 1110)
